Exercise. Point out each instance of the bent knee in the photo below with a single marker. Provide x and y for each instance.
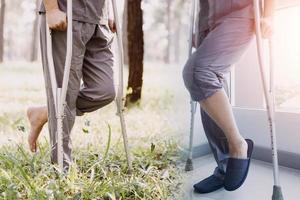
(107, 94)
(110, 95)
(202, 82)
(206, 78)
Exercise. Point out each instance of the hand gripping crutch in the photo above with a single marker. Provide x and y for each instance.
(59, 94)
(120, 98)
(269, 97)
(189, 162)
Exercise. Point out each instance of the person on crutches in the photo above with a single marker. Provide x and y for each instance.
(226, 28)
(92, 61)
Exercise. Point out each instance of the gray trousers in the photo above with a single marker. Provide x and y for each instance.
(91, 84)
(224, 35)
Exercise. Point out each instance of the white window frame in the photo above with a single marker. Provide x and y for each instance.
(250, 113)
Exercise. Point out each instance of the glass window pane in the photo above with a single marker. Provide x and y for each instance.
(287, 54)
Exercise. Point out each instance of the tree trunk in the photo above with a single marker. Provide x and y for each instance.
(34, 42)
(2, 14)
(135, 51)
(125, 35)
(177, 42)
(168, 50)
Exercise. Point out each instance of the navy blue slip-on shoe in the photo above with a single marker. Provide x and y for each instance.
(237, 170)
(209, 184)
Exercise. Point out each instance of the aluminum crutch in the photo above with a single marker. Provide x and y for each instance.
(59, 94)
(269, 97)
(120, 98)
(189, 162)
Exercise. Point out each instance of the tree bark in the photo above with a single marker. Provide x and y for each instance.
(2, 14)
(168, 50)
(34, 42)
(135, 51)
(177, 42)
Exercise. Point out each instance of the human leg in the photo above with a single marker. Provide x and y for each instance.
(221, 48)
(59, 52)
(98, 89)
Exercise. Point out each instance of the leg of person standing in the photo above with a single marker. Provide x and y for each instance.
(216, 137)
(59, 39)
(203, 75)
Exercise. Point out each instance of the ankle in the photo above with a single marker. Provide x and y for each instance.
(238, 142)
(38, 115)
(238, 147)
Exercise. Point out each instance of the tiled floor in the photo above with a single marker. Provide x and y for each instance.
(258, 185)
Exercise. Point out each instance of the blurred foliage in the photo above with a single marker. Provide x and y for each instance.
(156, 28)
(19, 20)
(20, 17)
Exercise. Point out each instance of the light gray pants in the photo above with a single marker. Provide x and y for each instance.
(224, 36)
(92, 63)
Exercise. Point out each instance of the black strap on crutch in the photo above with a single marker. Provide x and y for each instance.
(120, 92)
(59, 94)
(189, 162)
(269, 96)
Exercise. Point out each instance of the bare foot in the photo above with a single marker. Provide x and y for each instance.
(37, 117)
(239, 149)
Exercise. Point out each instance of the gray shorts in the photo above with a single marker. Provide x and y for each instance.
(223, 45)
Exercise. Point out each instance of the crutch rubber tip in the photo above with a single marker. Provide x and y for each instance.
(189, 165)
(277, 193)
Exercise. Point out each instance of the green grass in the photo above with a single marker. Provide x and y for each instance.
(93, 175)
(99, 170)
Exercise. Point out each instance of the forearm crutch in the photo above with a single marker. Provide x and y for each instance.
(59, 94)
(189, 162)
(269, 97)
(120, 92)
